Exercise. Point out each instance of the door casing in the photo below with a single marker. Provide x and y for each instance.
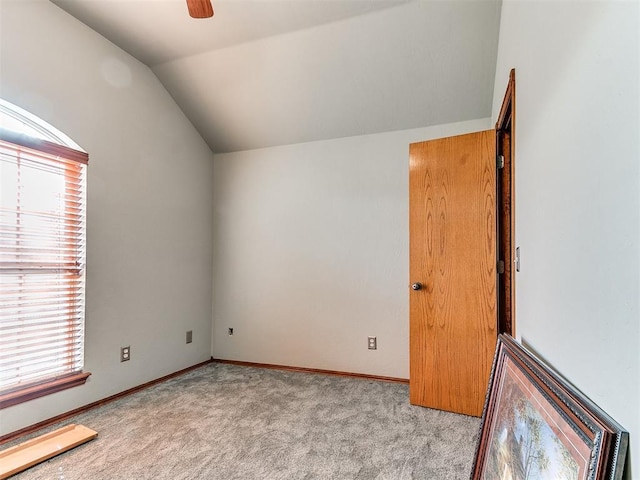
(505, 214)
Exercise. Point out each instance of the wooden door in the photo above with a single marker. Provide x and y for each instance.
(453, 318)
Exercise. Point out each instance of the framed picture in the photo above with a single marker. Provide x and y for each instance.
(536, 426)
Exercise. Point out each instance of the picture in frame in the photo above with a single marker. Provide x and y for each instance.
(536, 426)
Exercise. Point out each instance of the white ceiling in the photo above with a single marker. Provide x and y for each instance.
(273, 72)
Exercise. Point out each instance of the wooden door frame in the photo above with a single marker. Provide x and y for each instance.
(505, 209)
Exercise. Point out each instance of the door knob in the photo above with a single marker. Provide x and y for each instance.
(417, 286)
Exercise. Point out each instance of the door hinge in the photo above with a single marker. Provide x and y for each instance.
(500, 162)
(500, 266)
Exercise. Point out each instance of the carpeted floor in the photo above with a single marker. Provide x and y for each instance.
(228, 422)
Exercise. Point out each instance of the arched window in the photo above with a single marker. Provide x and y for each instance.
(42, 258)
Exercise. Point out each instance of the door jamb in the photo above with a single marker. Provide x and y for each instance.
(505, 208)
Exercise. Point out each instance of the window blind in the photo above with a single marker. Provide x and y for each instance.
(42, 261)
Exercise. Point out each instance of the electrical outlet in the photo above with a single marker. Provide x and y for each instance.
(189, 336)
(125, 354)
(373, 343)
(230, 331)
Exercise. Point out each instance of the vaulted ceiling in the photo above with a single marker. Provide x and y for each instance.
(275, 72)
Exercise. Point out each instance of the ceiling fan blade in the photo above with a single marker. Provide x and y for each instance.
(200, 8)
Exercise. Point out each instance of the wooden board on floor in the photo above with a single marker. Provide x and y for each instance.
(39, 449)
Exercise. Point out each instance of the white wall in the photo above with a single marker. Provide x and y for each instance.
(577, 192)
(150, 209)
(311, 252)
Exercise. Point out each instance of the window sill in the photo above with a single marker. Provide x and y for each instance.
(35, 391)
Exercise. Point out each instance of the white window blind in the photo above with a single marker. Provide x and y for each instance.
(42, 261)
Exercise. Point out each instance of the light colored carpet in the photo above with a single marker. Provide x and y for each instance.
(230, 422)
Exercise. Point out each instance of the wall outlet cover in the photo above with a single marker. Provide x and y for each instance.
(125, 354)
